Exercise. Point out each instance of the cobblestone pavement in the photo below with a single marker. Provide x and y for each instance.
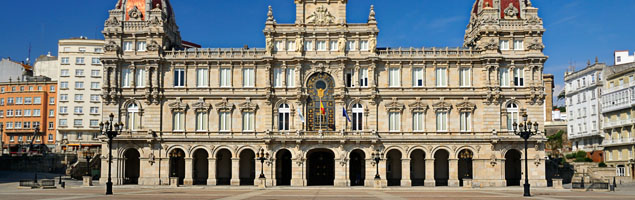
(11, 191)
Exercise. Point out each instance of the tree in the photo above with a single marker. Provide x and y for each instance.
(554, 142)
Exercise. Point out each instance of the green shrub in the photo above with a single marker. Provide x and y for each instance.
(580, 154)
(579, 160)
(588, 160)
(602, 164)
(570, 156)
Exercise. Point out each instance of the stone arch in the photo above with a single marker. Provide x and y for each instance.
(393, 161)
(198, 147)
(247, 147)
(504, 105)
(450, 152)
(357, 167)
(507, 149)
(182, 148)
(247, 165)
(456, 153)
(348, 153)
(131, 165)
(334, 150)
(321, 68)
(219, 148)
(418, 147)
(200, 165)
(280, 102)
(283, 166)
(385, 153)
(321, 166)
(126, 103)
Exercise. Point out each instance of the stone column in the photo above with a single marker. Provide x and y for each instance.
(429, 181)
(298, 178)
(453, 172)
(370, 173)
(189, 179)
(405, 172)
(341, 173)
(235, 180)
(211, 171)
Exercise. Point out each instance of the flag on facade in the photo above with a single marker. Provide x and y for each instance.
(322, 110)
(301, 115)
(346, 114)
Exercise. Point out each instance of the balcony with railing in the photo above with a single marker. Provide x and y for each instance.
(619, 123)
(618, 99)
(619, 141)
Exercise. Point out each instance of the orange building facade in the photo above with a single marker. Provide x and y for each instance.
(23, 107)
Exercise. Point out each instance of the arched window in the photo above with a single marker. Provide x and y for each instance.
(358, 115)
(283, 117)
(512, 115)
(133, 117)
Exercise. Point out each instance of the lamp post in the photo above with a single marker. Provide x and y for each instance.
(524, 131)
(262, 156)
(377, 157)
(111, 130)
(1, 140)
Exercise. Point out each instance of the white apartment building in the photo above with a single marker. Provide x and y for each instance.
(79, 107)
(46, 65)
(622, 57)
(583, 96)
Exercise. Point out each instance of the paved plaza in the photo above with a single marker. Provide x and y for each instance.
(11, 191)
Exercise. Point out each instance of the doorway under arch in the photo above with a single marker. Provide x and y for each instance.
(417, 167)
(200, 167)
(441, 168)
(321, 167)
(393, 167)
(357, 167)
(283, 167)
(465, 165)
(177, 164)
(512, 168)
(247, 167)
(131, 167)
(223, 167)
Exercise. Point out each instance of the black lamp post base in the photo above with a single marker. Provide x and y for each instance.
(526, 185)
(109, 188)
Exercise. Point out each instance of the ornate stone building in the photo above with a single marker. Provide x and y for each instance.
(321, 100)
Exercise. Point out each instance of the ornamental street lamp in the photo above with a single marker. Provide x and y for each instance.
(377, 156)
(262, 156)
(524, 131)
(88, 156)
(111, 130)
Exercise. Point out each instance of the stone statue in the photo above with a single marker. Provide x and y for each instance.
(372, 45)
(341, 44)
(269, 45)
(299, 42)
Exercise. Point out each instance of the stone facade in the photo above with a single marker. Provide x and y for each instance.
(433, 115)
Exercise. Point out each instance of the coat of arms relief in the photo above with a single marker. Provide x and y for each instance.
(321, 16)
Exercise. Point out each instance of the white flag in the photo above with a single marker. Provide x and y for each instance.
(300, 114)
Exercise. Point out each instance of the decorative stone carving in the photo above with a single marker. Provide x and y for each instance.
(534, 20)
(466, 106)
(299, 42)
(537, 160)
(154, 46)
(371, 15)
(492, 44)
(418, 106)
(201, 106)
(535, 44)
(269, 46)
(248, 107)
(151, 159)
(489, 19)
(372, 44)
(442, 106)
(135, 14)
(511, 12)
(155, 21)
(224, 106)
(394, 106)
(111, 46)
(178, 106)
(114, 22)
(341, 44)
(321, 16)
(492, 160)
(270, 15)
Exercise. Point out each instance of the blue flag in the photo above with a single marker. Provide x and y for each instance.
(346, 114)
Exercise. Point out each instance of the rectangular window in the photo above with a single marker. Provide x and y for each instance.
(321, 45)
(125, 77)
(79, 85)
(308, 46)
(518, 45)
(290, 77)
(51, 113)
(28, 100)
(11, 138)
(64, 73)
(27, 125)
(93, 110)
(202, 77)
(201, 121)
(178, 121)
(248, 121)
(290, 46)
(179, 77)
(418, 121)
(78, 122)
(18, 113)
(465, 77)
(94, 85)
(141, 46)
(127, 46)
(27, 112)
(1, 113)
(94, 98)
(466, 121)
(18, 100)
(363, 45)
(278, 46)
(140, 80)
(82, 49)
(519, 77)
(52, 88)
(225, 77)
(63, 97)
(80, 136)
(79, 97)
(333, 45)
(504, 45)
(9, 113)
(94, 73)
(99, 50)
(79, 60)
(363, 77)
(10, 126)
(36, 112)
(277, 77)
(503, 76)
(51, 126)
(442, 77)
(248, 77)
(417, 77)
(96, 61)
(225, 121)
(349, 78)
(10, 101)
(36, 100)
(394, 77)
(394, 119)
(79, 110)
(94, 123)
(351, 46)
(64, 61)
(442, 121)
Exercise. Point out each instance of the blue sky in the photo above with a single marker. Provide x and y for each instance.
(577, 30)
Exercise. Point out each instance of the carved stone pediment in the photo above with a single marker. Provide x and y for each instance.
(114, 22)
(466, 106)
(511, 12)
(321, 17)
(394, 106)
(248, 107)
(177, 106)
(418, 106)
(492, 44)
(535, 44)
(111, 46)
(201, 106)
(442, 106)
(224, 106)
(135, 14)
